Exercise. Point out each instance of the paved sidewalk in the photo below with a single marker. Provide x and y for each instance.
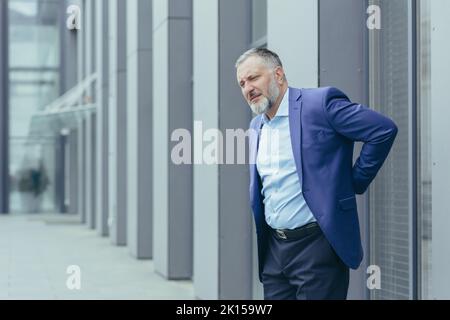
(35, 251)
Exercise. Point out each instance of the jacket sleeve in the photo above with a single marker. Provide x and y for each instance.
(359, 123)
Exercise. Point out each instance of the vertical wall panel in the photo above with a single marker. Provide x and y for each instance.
(172, 101)
(117, 122)
(161, 137)
(139, 129)
(221, 207)
(206, 177)
(102, 99)
(74, 150)
(82, 170)
(68, 50)
(90, 190)
(440, 69)
(343, 64)
(81, 50)
(292, 32)
(235, 218)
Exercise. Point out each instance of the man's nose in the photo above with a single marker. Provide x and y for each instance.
(248, 90)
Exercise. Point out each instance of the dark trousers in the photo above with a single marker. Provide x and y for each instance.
(304, 269)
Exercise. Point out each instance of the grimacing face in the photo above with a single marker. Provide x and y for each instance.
(258, 84)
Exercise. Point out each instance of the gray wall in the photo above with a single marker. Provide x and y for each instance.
(89, 36)
(102, 101)
(60, 173)
(235, 219)
(90, 154)
(172, 107)
(82, 169)
(81, 47)
(87, 59)
(292, 32)
(74, 149)
(139, 131)
(351, 60)
(206, 177)
(221, 206)
(440, 69)
(117, 122)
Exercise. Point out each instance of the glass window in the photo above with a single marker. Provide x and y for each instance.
(34, 82)
(389, 194)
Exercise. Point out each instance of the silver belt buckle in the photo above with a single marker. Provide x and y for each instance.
(281, 234)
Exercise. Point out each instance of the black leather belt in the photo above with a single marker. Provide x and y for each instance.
(294, 234)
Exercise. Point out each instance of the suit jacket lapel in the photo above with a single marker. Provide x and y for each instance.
(295, 126)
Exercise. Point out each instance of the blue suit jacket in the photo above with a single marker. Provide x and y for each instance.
(324, 125)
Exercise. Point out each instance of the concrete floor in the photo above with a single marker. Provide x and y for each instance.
(36, 250)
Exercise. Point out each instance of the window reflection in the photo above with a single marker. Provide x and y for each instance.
(34, 82)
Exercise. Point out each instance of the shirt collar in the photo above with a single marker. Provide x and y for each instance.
(283, 109)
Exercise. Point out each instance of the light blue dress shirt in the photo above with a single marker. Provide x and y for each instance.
(284, 204)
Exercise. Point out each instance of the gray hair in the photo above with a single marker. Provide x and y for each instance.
(270, 58)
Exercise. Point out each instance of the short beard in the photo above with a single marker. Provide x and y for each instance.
(267, 102)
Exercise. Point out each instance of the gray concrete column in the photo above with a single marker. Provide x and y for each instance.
(222, 219)
(235, 219)
(139, 127)
(4, 109)
(440, 131)
(81, 50)
(60, 170)
(90, 45)
(102, 100)
(299, 60)
(172, 101)
(68, 50)
(87, 67)
(117, 122)
(81, 135)
(91, 171)
(206, 177)
(82, 170)
(353, 62)
(74, 149)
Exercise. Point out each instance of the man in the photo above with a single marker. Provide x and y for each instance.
(303, 181)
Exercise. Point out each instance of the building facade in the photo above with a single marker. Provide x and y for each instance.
(99, 111)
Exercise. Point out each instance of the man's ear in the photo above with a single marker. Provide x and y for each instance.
(279, 74)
